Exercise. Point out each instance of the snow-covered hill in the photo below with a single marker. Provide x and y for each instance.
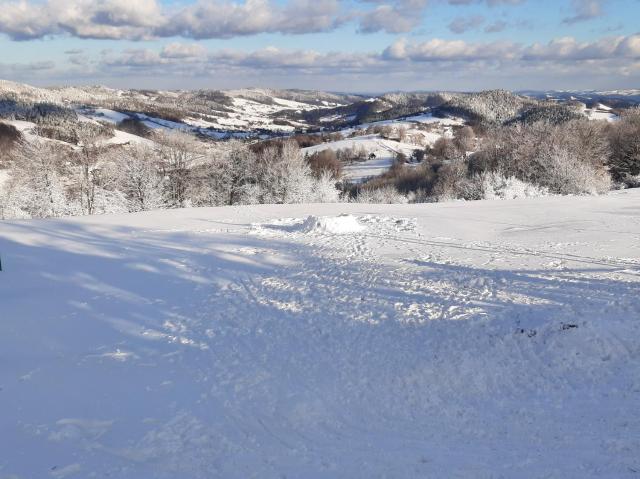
(484, 339)
(247, 112)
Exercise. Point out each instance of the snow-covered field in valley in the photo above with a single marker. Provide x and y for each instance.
(490, 339)
(385, 152)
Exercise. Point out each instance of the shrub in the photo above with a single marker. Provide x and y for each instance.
(497, 186)
(325, 161)
(567, 159)
(384, 195)
(454, 182)
(624, 144)
(135, 127)
(10, 138)
(564, 173)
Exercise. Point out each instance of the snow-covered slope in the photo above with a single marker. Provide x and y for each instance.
(485, 339)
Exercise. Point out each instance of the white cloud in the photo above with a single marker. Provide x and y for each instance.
(24, 20)
(562, 54)
(496, 27)
(585, 10)
(204, 19)
(183, 51)
(611, 62)
(449, 50)
(569, 49)
(218, 19)
(393, 17)
(143, 19)
(464, 24)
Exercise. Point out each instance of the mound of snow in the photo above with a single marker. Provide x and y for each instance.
(342, 224)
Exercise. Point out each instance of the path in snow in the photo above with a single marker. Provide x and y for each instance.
(485, 339)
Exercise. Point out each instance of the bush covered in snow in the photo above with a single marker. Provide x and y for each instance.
(384, 195)
(624, 155)
(496, 186)
(569, 158)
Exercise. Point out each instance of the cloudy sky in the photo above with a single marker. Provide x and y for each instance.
(339, 45)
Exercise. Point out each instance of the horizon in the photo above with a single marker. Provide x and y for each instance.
(328, 45)
(336, 92)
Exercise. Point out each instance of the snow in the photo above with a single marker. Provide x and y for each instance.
(124, 138)
(161, 124)
(4, 178)
(343, 224)
(104, 114)
(599, 113)
(477, 339)
(429, 118)
(119, 138)
(28, 129)
(294, 105)
(21, 126)
(411, 121)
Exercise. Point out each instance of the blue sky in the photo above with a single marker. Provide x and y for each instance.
(344, 45)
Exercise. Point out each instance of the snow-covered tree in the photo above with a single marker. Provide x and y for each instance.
(324, 189)
(86, 159)
(139, 178)
(36, 186)
(285, 176)
(240, 177)
(179, 152)
(384, 195)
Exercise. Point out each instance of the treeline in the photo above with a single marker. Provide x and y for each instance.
(48, 179)
(36, 112)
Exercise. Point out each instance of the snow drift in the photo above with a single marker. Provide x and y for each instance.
(342, 224)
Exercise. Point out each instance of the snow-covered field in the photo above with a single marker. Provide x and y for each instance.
(600, 112)
(473, 340)
(385, 152)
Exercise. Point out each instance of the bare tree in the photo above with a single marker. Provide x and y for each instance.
(464, 140)
(402, 134)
